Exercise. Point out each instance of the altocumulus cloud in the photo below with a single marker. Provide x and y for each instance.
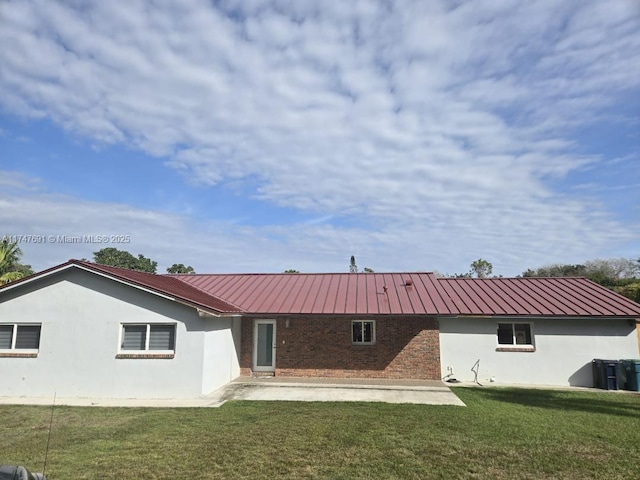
(439, 127)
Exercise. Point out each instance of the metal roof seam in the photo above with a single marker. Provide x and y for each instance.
(514, 286)
(310, 292)
(210, 294)
(537, 290)
(604, 295)
(577, 297)
(503, 296)
(418, 283)
(563, 298)
(489, 300)
(451, 290)
(513, 297)
(271, 299)
(440, 296)
(468, 287)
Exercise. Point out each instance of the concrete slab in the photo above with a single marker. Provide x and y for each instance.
(339, 393)
(341, 390)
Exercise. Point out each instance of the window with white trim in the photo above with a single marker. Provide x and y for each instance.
(515, 335)
(22, 337)
(156, 337)
(363, 332)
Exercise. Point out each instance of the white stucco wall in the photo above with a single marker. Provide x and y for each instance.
(564, 350)
(81, 315)
(220, 362)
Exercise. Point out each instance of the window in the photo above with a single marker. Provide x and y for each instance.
(19, 337)
(515, 334)
(363, 332)
(147, 337)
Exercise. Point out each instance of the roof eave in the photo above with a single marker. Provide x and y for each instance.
(206, 313)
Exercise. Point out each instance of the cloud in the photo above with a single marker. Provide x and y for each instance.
(423, 123)
(216, 246)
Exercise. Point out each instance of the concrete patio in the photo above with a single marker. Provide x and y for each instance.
(322, 389)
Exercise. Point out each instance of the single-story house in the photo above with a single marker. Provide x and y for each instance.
(81, 329)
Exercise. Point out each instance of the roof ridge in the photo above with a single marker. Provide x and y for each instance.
(285, 273)
(508, 278)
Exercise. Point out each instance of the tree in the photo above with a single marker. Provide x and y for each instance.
(10, 267)
(180, 268)
(123, 259)
(481, 268)
(605, 272)
(557, 270)
(291, 270)
(353, 268)
(367, 270)
(462, 275)
(23, 269)
(611, 271)
(617, 274)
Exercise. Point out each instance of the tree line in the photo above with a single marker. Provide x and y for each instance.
(12, 269)
(622, 275)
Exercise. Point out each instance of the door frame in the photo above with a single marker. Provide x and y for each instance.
(272, 367)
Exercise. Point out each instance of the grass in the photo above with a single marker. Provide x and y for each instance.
(502, 434)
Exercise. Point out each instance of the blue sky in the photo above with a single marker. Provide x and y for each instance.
(261, 136)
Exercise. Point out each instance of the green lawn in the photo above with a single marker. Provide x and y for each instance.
(502, 433)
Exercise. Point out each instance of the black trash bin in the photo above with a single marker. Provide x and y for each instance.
(10, 472)
(606, 374)
(631, 369)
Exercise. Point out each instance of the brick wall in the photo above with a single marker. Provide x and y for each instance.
(406, 347)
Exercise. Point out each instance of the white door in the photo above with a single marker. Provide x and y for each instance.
(264, 346)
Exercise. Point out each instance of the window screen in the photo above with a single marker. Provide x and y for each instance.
(134, 337)
(6, 334)
(162, 337)
(28, 337)
(505, 334)
(523, 333)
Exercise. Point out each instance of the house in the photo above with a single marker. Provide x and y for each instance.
(85, 330)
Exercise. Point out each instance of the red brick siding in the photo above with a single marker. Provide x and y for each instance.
(406, 347)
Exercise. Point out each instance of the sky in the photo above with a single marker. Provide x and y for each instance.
(239, 136)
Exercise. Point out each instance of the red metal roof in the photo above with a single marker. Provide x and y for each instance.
(325, 293)
(412, 294)
(375, 293)
(536, 296)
